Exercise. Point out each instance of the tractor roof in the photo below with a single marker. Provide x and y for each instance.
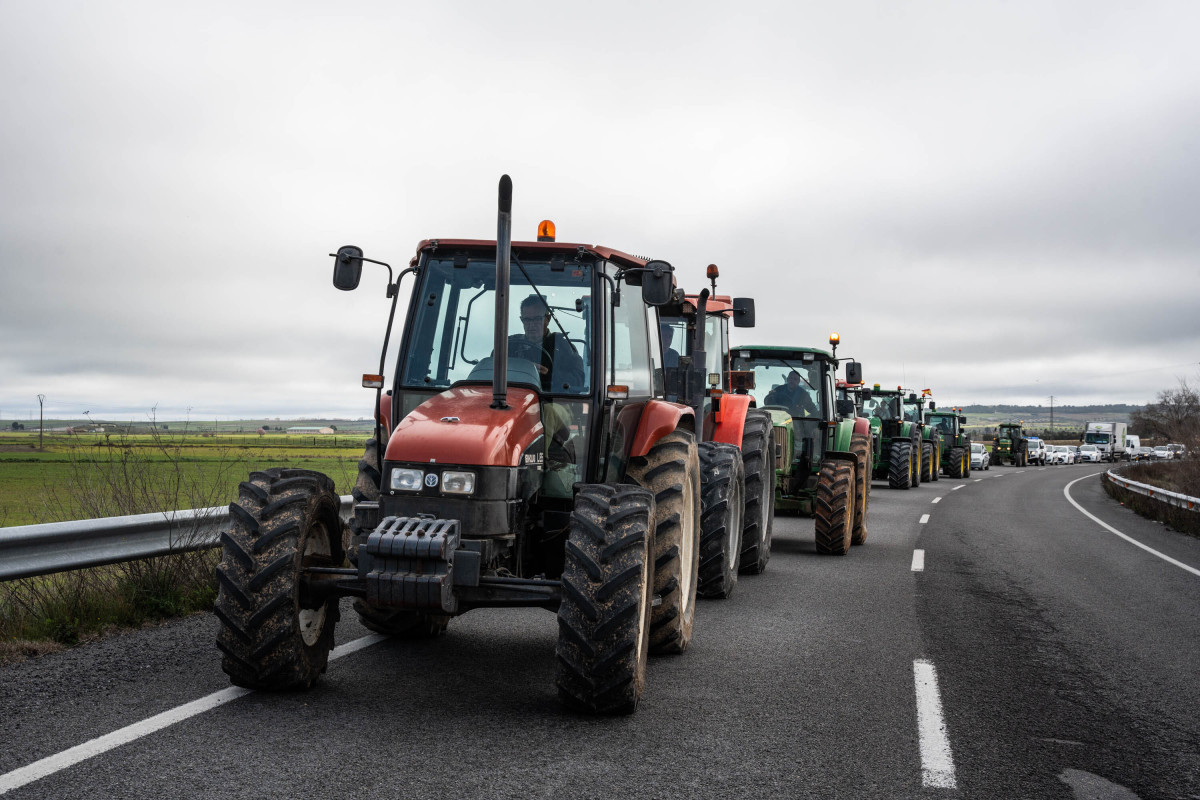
(548, 248)
(776, 351)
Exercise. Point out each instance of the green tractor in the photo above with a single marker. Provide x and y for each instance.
(956, 444)
(897, 437)
(1010, 445)
(823, 460)
(916, 409)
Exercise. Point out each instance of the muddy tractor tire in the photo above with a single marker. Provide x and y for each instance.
(272, 634)
(671, 471)
(926, 462)
(758, 459)
(966, 461)
(722, 507)
(954, 467)
(900, 465)
(834, 506)
(860, 445)
(935, 459)
(915, 475)
(604, 618)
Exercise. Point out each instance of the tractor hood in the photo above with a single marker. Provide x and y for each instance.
(459, 426)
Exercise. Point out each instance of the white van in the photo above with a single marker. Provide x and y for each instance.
(1132, 443)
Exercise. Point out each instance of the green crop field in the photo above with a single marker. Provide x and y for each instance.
(80, 476)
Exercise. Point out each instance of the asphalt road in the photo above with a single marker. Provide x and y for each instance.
(1034, 654)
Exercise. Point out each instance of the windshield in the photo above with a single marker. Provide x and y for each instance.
(549, 323)
(912, 412)
(788, 383)
(1089, 448)
(883, 406)
(1097, 438)
(976, 447)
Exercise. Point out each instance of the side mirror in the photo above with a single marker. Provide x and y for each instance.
(932, 406)
(845, 408)
(912, 397)
(853, 372)
(865, 393)
(962, 421)
(743, 312)
(658, 283)
(347, 267)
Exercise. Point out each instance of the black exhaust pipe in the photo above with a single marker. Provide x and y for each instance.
(503, 251)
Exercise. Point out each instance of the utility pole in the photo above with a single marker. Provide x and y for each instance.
(1051, 416)
(41, 418)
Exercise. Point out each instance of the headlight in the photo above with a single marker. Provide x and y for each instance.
(458, 482)
(407, 480)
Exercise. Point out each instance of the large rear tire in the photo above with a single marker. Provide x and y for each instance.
(926, 462)
(900, 465)
(722, 507)
(604, 618)
(954, 467)
(935, 466)
(834, 507)
(915, 474)
(273, 635)
(758, 459)
(671, 470)
(861, 447)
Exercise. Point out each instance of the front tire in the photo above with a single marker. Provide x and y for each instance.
(900, 465)
(926, 462)
(834, 507)
(604, 618)
(722, 507)
(758, 460)
(272, 635)
(860, 446)
(671, 470)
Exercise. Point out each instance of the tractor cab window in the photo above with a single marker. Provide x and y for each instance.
(453, 331)
(630, 353)
(912, 412)
(785, 383)
(882, 406)
(946, 425)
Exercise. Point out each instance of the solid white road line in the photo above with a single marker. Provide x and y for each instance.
(936, 499)
(109, 741)
(918, 564)
(1111, 529)
(937, 762)
(924, 518)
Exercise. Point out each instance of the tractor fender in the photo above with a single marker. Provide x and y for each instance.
(659, 418)
(730, 421)
(384, 414)
(840, 455)
(862, 425)
(843, 432)
(459, 426)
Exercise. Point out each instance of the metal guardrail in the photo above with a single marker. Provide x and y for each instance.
(1161, 495)
(27, 551)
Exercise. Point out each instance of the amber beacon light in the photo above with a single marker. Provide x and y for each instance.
(545, 231)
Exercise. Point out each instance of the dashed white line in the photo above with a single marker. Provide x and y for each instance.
(977, 480)
(918, 564)
(937, 762)
(1111, 529)
(936, 499)
(109, 741)
(924, 518)
(961, 485)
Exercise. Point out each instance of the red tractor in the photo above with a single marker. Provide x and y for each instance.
(543, 468)
(737, 452)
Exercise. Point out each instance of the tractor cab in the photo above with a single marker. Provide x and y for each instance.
(797, 386)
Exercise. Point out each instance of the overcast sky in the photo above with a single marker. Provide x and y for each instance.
(997, 201)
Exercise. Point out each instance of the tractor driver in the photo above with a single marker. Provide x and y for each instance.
(556, 360)
(790, 395)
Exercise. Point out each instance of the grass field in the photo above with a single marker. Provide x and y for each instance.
(80, 476)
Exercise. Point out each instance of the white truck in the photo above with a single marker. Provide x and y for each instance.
(1109, 438)
(1133, 444)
